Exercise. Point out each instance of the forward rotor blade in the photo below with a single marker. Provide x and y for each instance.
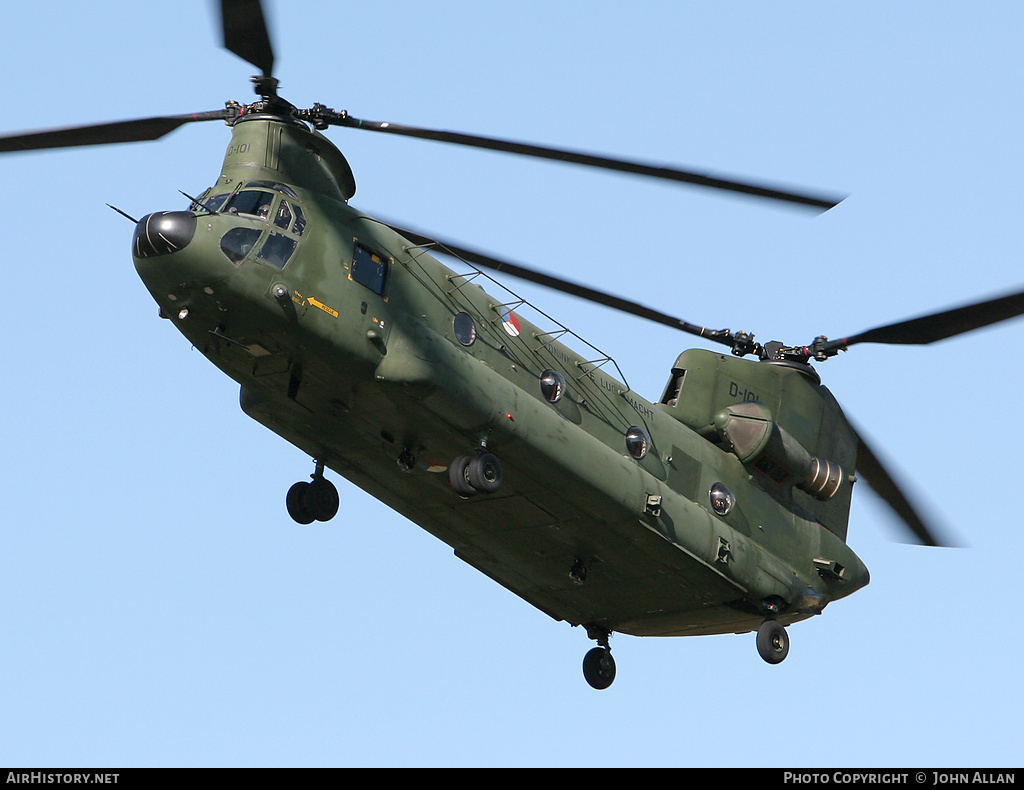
(245, 33)
(874, 473)
(590, 160)
(939, 326)
(138, 130)
(557, 283)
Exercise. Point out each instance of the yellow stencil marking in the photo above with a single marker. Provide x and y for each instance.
(322, 306)
(303, 300)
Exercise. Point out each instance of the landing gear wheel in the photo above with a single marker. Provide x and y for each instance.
(315, 501)
(458, 477)
(599, 667)
(296, 502)
(320, 499)
(772, 642)
(484, 473)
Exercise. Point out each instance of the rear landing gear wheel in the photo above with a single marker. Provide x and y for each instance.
(314, 501)
(599, 667)
(598, 664)
(296, 503)
(772, 642)
(321, 499)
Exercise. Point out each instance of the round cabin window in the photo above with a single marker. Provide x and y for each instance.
(722, 499)
(465, 329)
(637, 442)
(552, 385)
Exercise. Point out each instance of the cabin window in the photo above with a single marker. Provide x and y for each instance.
(552, 385)
(722, 499)
(465, 329)
(276, 250)
(637, 442)
(369, 268)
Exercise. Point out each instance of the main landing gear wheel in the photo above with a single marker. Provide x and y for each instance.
(599, 667)
(598, 664)
(484, 473)
(457, 476)
(475, 474)
(296, 503)
(772, 642)
(314, 501)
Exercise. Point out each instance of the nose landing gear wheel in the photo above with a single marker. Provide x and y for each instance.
(599, 667)
(772, 642)
(458, 478)
(484, 473)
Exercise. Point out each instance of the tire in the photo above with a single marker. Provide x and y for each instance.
(457, 476)
(599, 668)
(296, 502)
(320, 499)
(772, 642)
(484, 473)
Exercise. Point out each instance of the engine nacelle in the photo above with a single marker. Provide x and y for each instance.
(748, 430)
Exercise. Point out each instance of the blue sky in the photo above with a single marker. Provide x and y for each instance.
(159, 607)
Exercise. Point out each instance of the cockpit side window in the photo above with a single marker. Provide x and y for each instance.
(238, 242)
(277, 249)
(283, 216)
(300, 221)
(674, 387)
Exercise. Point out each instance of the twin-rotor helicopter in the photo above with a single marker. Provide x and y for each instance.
(720, 507)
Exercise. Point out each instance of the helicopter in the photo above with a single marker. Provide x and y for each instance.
(453, 407)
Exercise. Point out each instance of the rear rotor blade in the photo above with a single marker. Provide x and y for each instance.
(874, 473)
(638, 168)
(245, 33)
(138, 130)
(939, 326)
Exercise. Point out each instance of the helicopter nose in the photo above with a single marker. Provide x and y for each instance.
(163, 233)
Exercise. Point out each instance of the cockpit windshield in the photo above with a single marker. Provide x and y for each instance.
(274, 248)
(207, 202)
(213, 204)
(284, 189)
(251, 202)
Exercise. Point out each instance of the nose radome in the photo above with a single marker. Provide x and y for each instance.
(163, 233)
